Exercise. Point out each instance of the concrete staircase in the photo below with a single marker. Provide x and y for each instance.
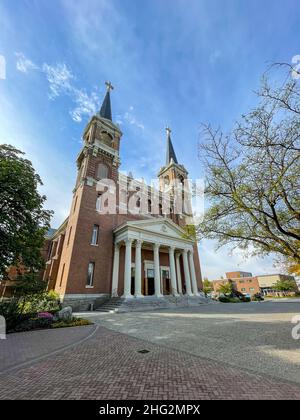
(111, 305)
(150, 303)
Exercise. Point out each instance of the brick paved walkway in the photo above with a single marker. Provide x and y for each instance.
(23, 347)
(108, 366)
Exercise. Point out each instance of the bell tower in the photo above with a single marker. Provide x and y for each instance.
(173, 175)
(86, 260)
(172, 170)
(99, 157)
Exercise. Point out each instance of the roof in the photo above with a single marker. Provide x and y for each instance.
(105, 110)
(50, 232)
(170, 150)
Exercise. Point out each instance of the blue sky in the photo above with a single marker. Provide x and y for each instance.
(172, 62)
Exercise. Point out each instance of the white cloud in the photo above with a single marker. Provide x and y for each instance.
(215, 263)
(130, 118)
(61, 80)
(85, 104)
(23, 63)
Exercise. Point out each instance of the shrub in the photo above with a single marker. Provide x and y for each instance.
(44, 302)
(11, 312)
(257, 297)
(227, 299)
(33, 324)
(245, 299)
(74, 322)
(224, 299)
(19, 309)
(234, 300)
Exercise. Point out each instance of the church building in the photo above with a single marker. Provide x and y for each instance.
(145, 256)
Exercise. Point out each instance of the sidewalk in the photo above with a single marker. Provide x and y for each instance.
(20, 348)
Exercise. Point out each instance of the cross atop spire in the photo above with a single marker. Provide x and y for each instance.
(109, 86)
(169, 131)
(170, 149)
(105, 111)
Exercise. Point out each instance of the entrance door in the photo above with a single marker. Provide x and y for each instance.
(132, 280)
(150, 282)
(166, 281)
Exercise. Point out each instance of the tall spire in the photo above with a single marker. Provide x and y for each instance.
(170, 149)
(105, 111)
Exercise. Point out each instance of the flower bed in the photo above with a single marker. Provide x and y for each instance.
(46, 321)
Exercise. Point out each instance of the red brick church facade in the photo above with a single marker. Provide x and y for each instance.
(93, 255)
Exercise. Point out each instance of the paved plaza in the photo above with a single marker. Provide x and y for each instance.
(255, 336)
(220, 351)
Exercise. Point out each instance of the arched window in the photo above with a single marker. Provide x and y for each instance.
(149, 206)
(99, 202)
(102, 171)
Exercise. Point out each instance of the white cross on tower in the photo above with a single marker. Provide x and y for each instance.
(168, 130)
(109, 86)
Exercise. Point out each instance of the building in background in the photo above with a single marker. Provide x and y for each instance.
(268, 281)
(248, 284)
(241, 281)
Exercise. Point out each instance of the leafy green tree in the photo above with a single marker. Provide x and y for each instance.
(23, 221)
(30, 297)
(226, 288)
(285, 286)
(253, 175)
(207, 286)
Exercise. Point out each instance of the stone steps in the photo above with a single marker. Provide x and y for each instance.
(147, 303)
(111, 305)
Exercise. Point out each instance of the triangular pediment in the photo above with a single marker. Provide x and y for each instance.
(160, 226)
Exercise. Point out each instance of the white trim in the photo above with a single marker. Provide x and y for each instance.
(141, 225)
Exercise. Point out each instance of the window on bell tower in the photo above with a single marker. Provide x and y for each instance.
(102, 171)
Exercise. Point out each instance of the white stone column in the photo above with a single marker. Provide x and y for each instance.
(115, 276)
(157, 284)
(179, 282)
(138, 269)
(127, 271)
(173, 271)
(187, 273)
(193, 273)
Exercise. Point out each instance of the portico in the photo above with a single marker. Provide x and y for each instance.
(157, 260)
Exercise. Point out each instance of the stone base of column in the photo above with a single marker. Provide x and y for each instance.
(127, 296)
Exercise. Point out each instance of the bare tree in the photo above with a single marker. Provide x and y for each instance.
(253, 175)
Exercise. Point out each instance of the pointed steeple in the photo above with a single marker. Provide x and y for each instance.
(105, 111)
(170, 149)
